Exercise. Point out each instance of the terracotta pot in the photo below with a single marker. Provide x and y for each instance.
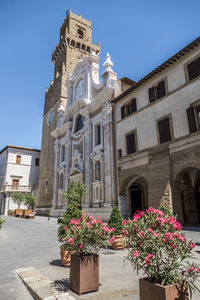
(155, 291)
(65, 257)
(118, 243)
(84, 273)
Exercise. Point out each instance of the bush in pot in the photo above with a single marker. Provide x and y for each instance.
(158, 247)
(1, 222)
(115, 221)
(84, 238)
(74, 194)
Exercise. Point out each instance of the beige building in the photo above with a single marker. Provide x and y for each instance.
(75, 42)
(157, 123)
(19, 172)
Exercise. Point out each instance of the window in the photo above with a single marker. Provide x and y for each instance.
(131, 143)
(46, 183)
(79, 123)
(157, 91)
(18, 159)
(164, 130)
(61, 181)
(62, 153)
(194, 69)
(37, 161)
(193, 115)
(15, 182)
(129, 108)
(97, 171)
(97, 134)
(80, 33)
(119, 153)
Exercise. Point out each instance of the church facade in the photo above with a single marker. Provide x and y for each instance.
(84, 137)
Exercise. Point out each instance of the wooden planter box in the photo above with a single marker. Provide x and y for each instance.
(65, 257)
(118, 243)
(155, 291)
(84, 273)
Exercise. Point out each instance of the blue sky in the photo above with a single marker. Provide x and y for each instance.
(139, 35)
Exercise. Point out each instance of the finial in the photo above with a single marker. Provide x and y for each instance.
(108, 64)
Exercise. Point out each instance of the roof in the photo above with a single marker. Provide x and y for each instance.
(159, 69)
(19, 148)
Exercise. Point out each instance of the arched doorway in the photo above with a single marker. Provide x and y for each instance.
(187, 196)
(136, 196)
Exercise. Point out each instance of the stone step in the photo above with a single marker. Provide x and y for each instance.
(39, 286)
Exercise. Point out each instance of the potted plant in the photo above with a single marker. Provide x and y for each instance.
(1, 222)
(84, 238)
(115, 221)
(158, 247)
(74, 194)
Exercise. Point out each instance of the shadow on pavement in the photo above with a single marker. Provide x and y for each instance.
(192, 228)
(61, 285)
(57, 263)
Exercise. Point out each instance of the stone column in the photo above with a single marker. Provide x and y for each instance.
(55, 194)
(68, 159)
(87, 167)
(108, 154)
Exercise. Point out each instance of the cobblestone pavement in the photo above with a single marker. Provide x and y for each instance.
(25, 243)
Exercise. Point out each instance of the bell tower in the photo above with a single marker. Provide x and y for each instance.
(75, 42)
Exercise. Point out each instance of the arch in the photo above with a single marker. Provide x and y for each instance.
(79, 123)
(186, 195)
(134, 195)
(80, 33)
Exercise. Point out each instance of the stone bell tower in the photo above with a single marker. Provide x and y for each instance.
(75, 42)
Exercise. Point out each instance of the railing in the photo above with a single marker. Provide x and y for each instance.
(15, 188)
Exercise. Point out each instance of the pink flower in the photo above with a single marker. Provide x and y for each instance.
(112, 229)
(135, 253)
(150, 229)
(192, 245)
(136, 217)
(198, 269)
(155, 234)
(168, 236)
(124, 222)
(70, 241)
(183, 273)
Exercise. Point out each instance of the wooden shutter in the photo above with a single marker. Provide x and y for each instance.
(191, 119)
(164, 130)
(194, 69)
(151, 94)
(161, 89)
(133, 105)
(131, 147)
(123, 112)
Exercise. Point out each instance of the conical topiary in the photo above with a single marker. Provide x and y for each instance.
(115, 220)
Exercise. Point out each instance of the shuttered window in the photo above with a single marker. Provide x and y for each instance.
(133, 105)
(161, 89)
(194, 69)
(191, 119)
(131, 144)
(123, 112)
(129, 108)
(157, 91)
(151, 95)
(164, 130)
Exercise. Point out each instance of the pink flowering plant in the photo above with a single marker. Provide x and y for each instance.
(87, 235)
(158, 247)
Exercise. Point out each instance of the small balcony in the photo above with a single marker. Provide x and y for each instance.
(15, 188)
